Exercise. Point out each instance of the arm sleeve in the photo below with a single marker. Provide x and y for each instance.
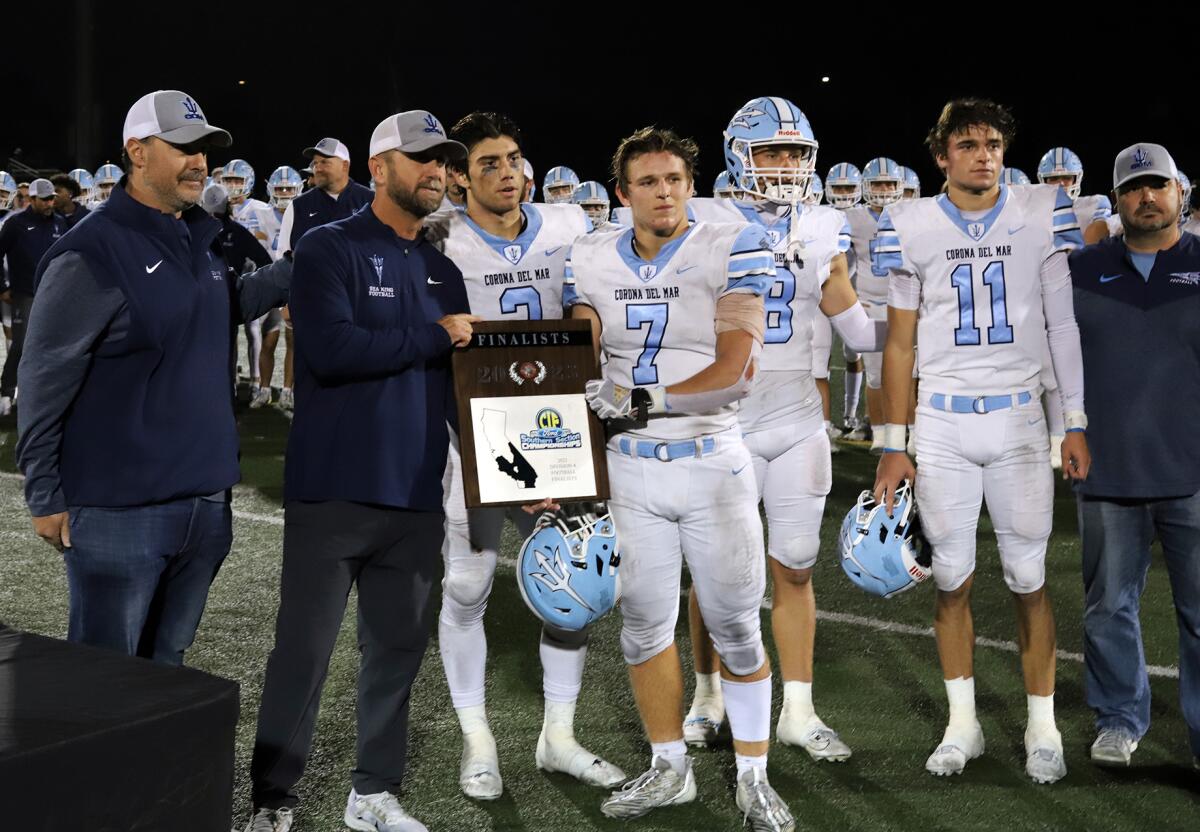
(1062, 332)
(264, 289)
(1064, 223)
(904, 287)
(329, 339)
(69, 318)
(285, 228)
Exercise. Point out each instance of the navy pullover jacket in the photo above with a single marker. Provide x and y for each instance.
(315, 207)
(1141, 369)
(373, 386)
(24, 238)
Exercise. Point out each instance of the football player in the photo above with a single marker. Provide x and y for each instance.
(912, 183)
(677, 311)
(723, 186)
(592, 197)
(980, 274)
(513, 257)
(107, 175)
(1014, 176)
(843, 186)
(1060, 166)
(87, 185)
(559, 184)
(771, 153)
(237, 177)
(283, 185)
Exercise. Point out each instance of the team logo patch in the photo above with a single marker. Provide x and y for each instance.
(549, 433)
(773, 237)
(432, 126)
(513, 253)
(523, 371)
(191, 109)
(377, 262)
(1141, 159)
(1186, 278)
(975, 229)
(647, 272)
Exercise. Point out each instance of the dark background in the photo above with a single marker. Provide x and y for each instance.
(577, 79)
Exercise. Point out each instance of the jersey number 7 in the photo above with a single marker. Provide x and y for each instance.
(637, 315)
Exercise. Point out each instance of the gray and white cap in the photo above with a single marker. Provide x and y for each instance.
(43, 188)
(328, 147)
(413, 131)
(172, 116)
(1143, 159)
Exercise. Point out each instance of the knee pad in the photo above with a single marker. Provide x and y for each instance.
(950, 574)
(1024, 564)
(741, 650)
(640, 643)
(468, 581)
(798, 551)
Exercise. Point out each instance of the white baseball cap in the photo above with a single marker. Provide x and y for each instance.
(43, 188)
(413, 131)
(1143, 159)
(172, 116)
(328, 147)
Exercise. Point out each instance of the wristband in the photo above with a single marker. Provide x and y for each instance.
(893, 438)
(1075, 420)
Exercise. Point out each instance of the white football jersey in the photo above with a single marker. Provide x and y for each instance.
(659, 316)
(263, 221)
(511, 279)
(1115, 228)
(784, 390)
(981, 326)
(872, 287)
(699, 209)
(247, 213)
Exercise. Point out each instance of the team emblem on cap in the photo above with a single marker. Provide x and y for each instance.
(524, 371)
(1141, 159)
(192, 109)
(432, 126)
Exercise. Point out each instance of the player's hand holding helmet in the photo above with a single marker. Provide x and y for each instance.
(881, 553)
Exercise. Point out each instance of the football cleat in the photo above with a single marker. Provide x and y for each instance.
(703, 722)
(1113, 747)
(814, 736)
(270, 820)
(479, 769)
(287, 399)
(660, 785)
(761, 805)
(569, 757)
(379, 812)
(261, 397)
(952, 756)
(854, 430)
(1044, 762)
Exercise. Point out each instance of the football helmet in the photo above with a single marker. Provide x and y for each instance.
(238, 178)
(568, 569)
(815, 191)
(8, 189)
(559, 184)
(283, 185)
(885, 555)
(1060, 161)
(912, 183)
(882, 182)
(530, 180)
(106, 176)
(1013, 176)
(770, 121)
(843, 175)
(723, 186)
(1185, 202)
(86, 183)
(593, 199)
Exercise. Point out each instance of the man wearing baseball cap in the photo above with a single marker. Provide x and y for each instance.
(334, 195)
(1137, 301)
(24, 238)
(377, 311)
(126, 429)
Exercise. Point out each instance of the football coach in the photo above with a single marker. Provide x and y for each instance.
(1137, 302)
(126, 431)
(377, 311)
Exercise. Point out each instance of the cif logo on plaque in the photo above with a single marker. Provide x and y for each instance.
(549, 433)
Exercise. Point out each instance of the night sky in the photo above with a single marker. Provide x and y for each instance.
(341, 73)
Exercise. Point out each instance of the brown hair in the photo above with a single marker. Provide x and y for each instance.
(962, 114)
(653, 140)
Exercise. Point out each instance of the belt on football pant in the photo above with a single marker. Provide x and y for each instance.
(667, 451)
(978, 404)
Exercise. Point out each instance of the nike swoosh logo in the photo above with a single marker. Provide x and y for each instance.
(1012, 231)
(314, 213)
(150, 269)
(683, 269)
(737, 471)
(29, 228)
(551, 251)
(1033, 421)
(1108, 278)
(433, 282)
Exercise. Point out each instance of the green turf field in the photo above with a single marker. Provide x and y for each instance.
(877, 683)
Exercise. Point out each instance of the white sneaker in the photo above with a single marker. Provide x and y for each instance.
(761, 805)
(1044, 761)
(955, 751)
(261, 398)
(703, 722)
(380, 812)
(1056, 440)
(569, 757)
(814, 736)
(660, 785)
(1113, 747)
(5, 405)
(287, 399)
(479, 771)
(270, 820)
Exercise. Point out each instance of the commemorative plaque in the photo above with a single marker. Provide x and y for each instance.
(525, 429)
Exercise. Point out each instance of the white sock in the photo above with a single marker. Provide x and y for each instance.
(562, 667)
(674, 752)
(472, 719)
(748, 706)
(1041, 714)
(708, 686)
(853, 385)
(797, 699)
(559, 721)
(961, 693)
(745, 762)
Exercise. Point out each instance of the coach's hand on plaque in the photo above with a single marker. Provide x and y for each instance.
(1076, 459)
(55, 529)
(459, 328)
(894, 468)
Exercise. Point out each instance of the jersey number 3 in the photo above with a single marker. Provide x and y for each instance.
(514, 298)
(637, 315)
(967, 334)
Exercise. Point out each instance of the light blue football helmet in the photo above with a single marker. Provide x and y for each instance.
(816, 190)
(86, 183)
(106, 177)
(568, 569)
(283, 185)
(1185, 204)
(1060, 161)
(769, 121)
(560, 183)
(843, 175)
(592, 197)
(529, 178)
(912, 183)
(234, 170)
(885, 555)
(882, 182)
(723, 186)
(8, 189)
(1014, 176)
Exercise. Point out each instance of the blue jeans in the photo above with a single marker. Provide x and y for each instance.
(139, 577)
(1116, 557)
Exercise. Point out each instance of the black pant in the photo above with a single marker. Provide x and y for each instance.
(395, 557)
(21, 304)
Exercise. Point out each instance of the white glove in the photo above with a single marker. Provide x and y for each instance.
(608, 400)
